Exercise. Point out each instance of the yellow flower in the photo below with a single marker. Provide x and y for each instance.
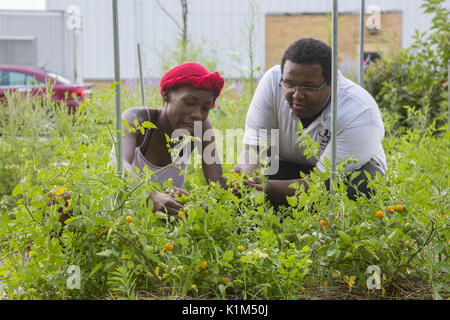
(60, 191)
(351, 281)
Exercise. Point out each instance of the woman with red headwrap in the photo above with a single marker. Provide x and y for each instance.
(188, 93)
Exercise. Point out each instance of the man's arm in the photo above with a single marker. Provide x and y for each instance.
(278, 190)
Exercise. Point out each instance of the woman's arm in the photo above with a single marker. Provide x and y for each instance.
(129, 139)
(161, 201)
(211, 164)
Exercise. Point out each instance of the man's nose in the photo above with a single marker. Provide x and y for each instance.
(298, 95)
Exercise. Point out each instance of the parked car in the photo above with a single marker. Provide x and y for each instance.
(34, 80)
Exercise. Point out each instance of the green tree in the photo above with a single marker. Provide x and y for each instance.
(417, 76)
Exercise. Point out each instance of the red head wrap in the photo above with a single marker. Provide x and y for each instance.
(192, 74)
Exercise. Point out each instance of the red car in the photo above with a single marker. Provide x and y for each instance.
(33, 80)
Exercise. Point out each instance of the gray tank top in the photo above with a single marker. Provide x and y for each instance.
(161, 174)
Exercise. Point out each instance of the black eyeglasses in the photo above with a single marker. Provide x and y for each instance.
(307, 91)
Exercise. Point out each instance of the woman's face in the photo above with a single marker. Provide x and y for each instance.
(308, 103)
(186, 105)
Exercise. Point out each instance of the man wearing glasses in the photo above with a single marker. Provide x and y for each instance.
(299, 90)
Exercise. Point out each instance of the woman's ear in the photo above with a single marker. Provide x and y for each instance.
(166, 96)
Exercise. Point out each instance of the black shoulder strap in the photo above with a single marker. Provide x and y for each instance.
(148, 132)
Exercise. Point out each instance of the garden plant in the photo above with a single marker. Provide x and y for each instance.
(72, 228)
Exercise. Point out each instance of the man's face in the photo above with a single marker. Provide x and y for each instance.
(309, 79)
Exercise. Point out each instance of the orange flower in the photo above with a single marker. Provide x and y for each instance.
(324, 223)
(379, 214)
(202, 266)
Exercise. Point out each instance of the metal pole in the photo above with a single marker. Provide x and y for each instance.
(334, 66)
(361, 44)
(140, 74)
(117, 89)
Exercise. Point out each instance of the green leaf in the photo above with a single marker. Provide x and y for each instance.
(358, 230)
(344, 236)
(371, 251)
(348, 255)
(125, 123)
(17, 190)
(228, 255)
(259, 197)
(292, 201)
(106, 253)
(96, 268)
(354, 175)
(149, 125)
(326, 162)
(222, 290)
(333, 252)
(305, 249)
(394, 235)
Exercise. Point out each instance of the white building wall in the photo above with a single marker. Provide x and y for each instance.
(217, 24)
(54, 43)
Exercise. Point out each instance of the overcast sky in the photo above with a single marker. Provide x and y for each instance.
(22, 4)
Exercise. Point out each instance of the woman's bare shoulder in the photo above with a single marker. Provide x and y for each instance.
(139, 113)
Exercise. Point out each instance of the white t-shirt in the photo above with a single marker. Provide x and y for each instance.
(359, 126)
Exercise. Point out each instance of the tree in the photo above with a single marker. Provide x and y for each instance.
(183, 28)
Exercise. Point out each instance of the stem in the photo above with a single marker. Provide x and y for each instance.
(138, 250)
(128, 195)
(414, 254)
(29, 212)
(71, 160)
(169, 15)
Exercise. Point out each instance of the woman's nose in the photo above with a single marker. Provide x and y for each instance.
(196, 114)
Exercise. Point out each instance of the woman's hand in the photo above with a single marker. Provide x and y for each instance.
(176, 192)
(165, 203)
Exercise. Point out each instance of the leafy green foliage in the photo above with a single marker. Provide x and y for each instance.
(416, 76)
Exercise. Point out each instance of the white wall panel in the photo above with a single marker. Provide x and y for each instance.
(54, 42)
(218, 22)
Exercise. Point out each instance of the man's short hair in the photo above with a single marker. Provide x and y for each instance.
(309, 51)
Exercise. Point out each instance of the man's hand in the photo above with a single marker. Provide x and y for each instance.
(235, 185)
(254, 182)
